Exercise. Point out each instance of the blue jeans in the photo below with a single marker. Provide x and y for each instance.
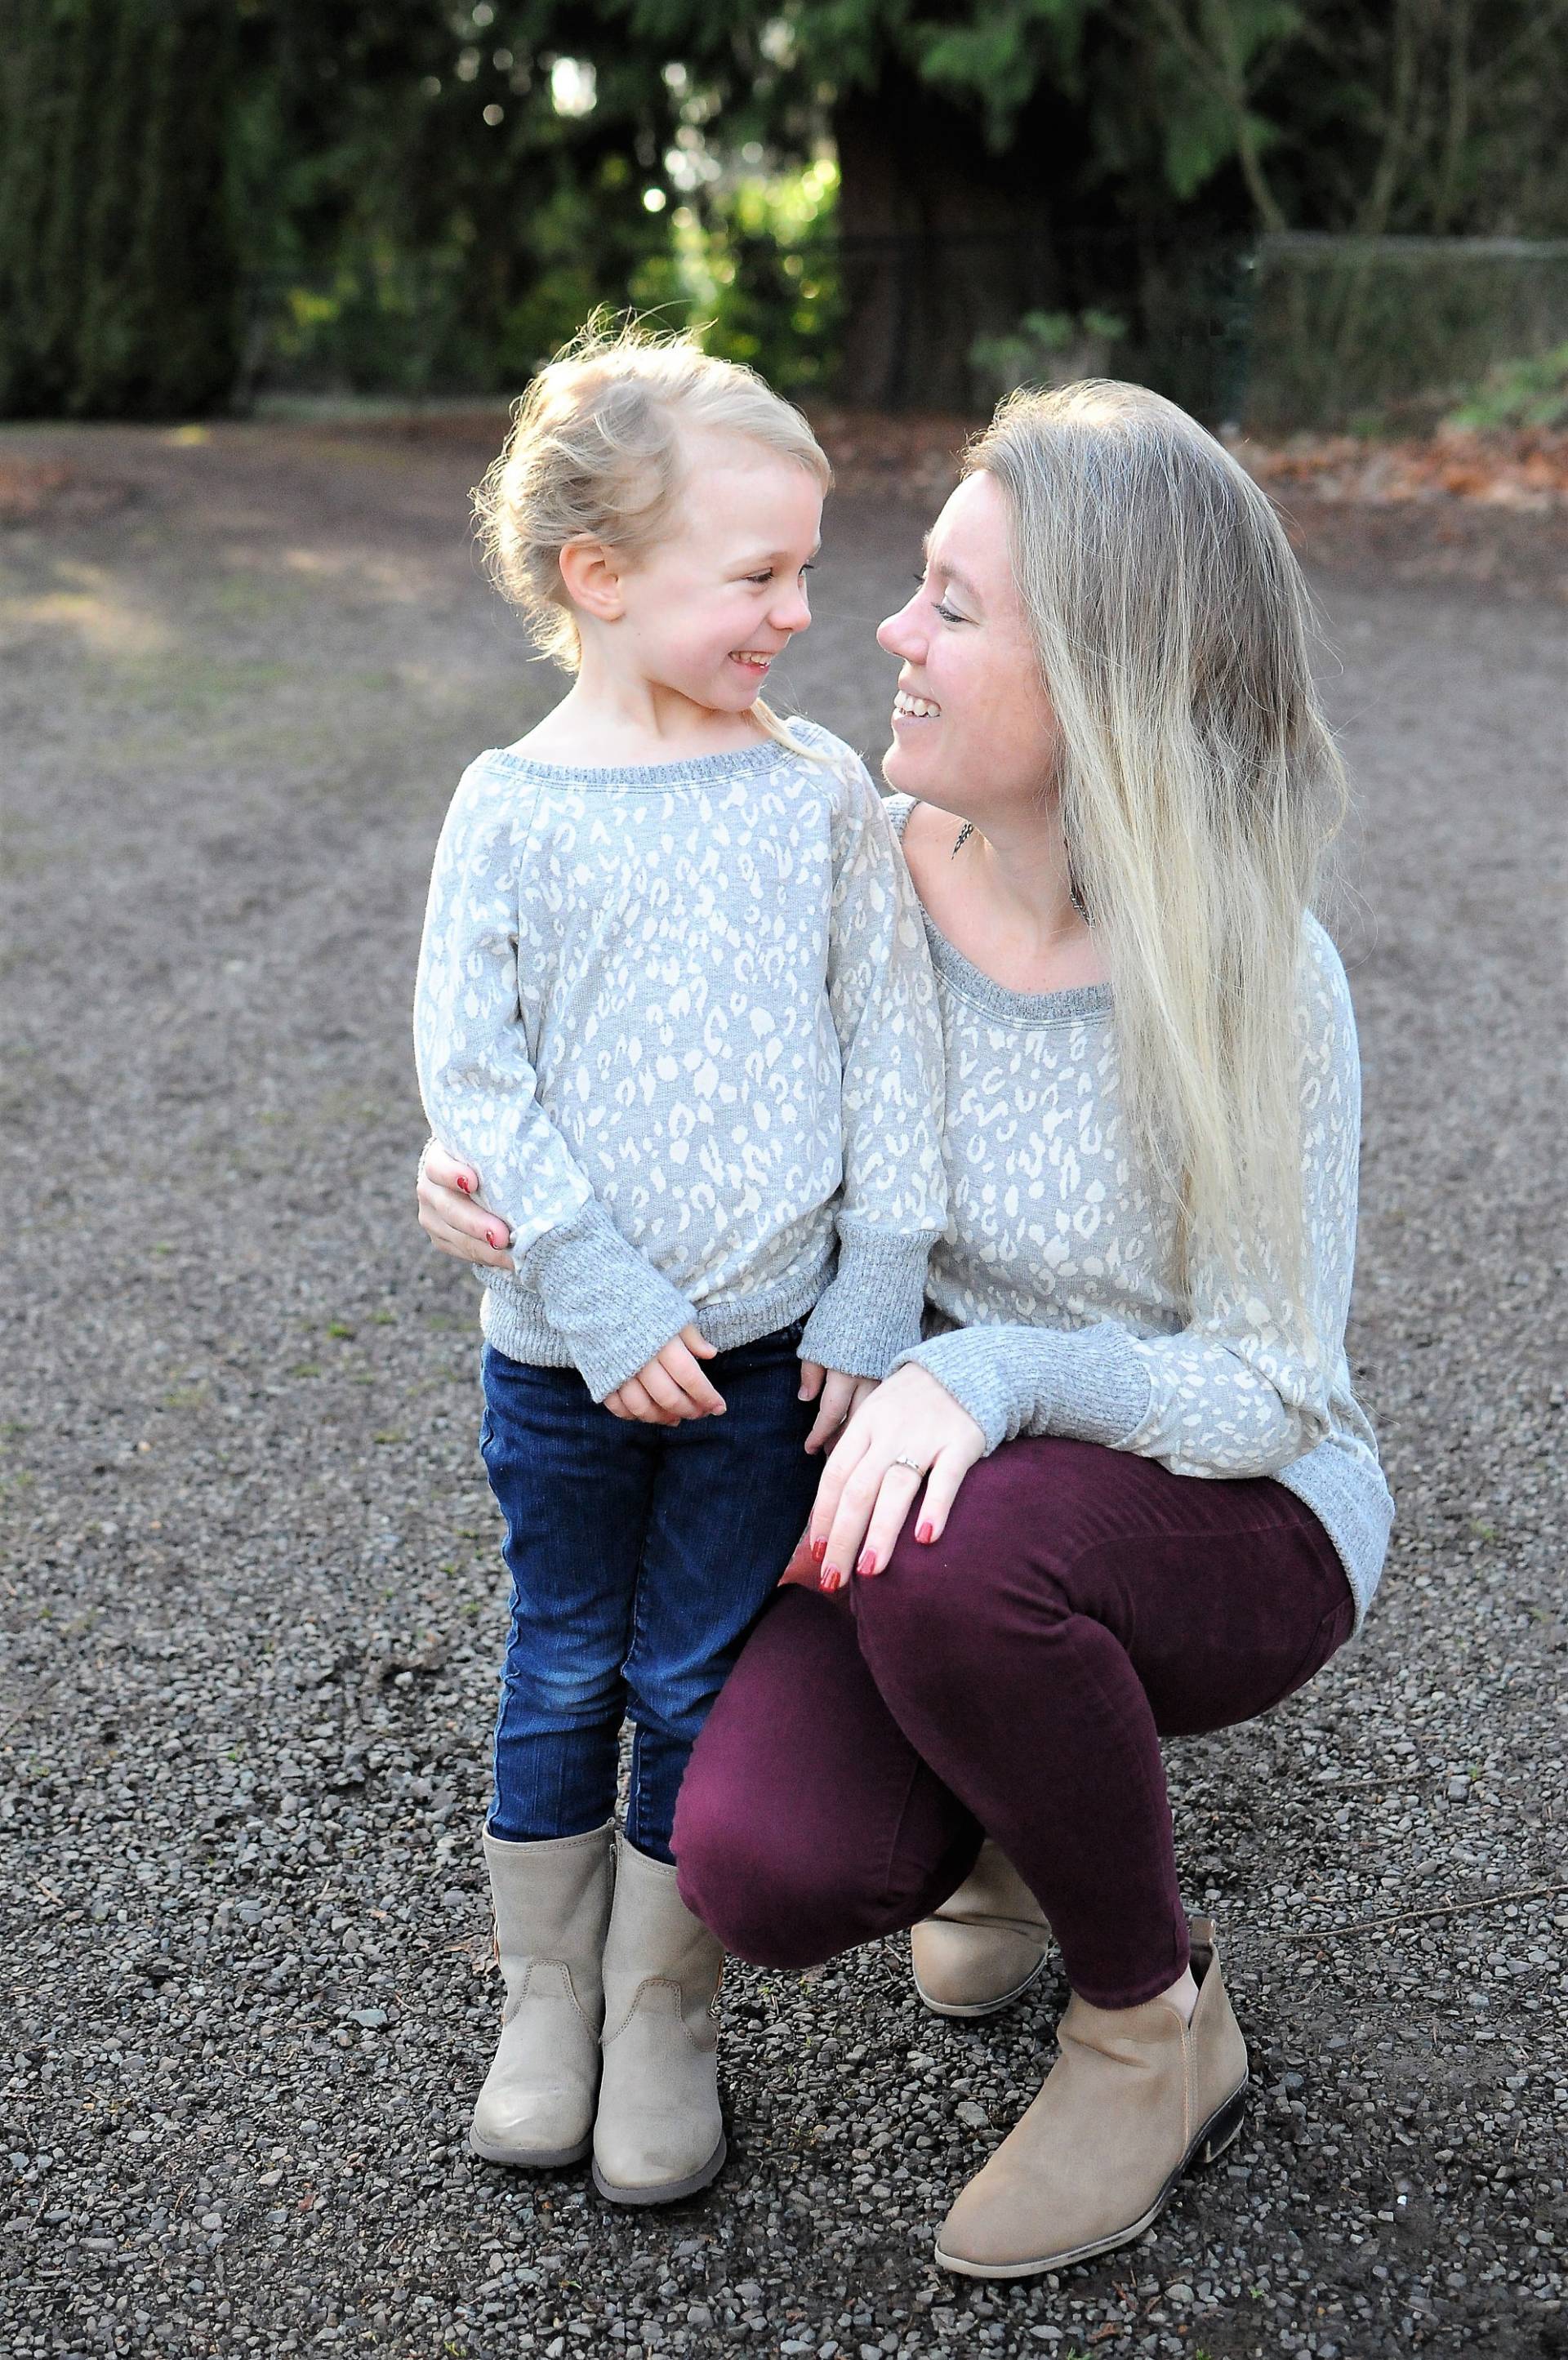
(640, 1556)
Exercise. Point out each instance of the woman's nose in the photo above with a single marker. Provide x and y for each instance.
(899, 636)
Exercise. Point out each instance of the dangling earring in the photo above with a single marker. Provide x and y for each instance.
(964, 834)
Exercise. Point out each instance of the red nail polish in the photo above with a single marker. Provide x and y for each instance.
(865, 1565)
(924, 1532)
(826, 1580)
(462, 1182)
(819, 1550)
(492, 1238)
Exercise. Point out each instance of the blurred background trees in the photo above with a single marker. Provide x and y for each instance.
(199, 200)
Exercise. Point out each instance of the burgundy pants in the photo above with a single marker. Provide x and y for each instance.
(1013, 1679)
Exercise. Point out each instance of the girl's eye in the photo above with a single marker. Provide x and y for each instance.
(766, 575)
(810, 566)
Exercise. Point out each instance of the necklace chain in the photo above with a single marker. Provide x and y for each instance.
(966, 830)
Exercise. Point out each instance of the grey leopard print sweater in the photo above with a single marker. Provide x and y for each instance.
(1050, 1308)
(681, 1017)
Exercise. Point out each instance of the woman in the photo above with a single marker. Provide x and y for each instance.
(1123, 1490)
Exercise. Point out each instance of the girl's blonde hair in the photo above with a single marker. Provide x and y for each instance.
(1199, 786)
(595, 452)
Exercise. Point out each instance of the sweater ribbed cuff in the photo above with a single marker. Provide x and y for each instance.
(610, 1305)
(871, 1309)
(1084, 1383)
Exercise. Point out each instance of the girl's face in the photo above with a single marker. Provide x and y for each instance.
(706, 612)
(973, 729)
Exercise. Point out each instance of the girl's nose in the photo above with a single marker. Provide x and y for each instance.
(793, 611)
(901, 635)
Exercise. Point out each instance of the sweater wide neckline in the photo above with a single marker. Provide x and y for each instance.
(1078, 1004)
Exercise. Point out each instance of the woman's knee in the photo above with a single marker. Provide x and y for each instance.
(770, 1900)
(941, 1609)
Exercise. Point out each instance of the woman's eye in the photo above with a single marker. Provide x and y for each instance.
(947, 615)
(766, 576)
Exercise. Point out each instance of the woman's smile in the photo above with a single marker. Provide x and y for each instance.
(907, 706)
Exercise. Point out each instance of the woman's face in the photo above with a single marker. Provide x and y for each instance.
(973, 731)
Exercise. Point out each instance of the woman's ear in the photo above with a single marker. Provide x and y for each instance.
(591, 575)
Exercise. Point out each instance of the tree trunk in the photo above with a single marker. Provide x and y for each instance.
(943, 240)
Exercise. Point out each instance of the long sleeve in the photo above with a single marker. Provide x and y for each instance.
(883, 1003)
(1245, 1389)
(612, 1309)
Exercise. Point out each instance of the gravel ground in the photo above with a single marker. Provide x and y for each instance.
(251, 1597)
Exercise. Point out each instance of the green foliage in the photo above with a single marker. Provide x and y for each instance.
(759, 277)
(430, 197)
(42, 204)
(1430, 116)
(431, 206)
(1047, 348)
(999, 58)
(1528, 393)
(117, 271)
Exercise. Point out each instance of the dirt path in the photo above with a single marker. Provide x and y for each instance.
(249, 1590)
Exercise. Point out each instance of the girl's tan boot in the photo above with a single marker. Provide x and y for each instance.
(984, 1946)
(1134, 2098)
(658, 2133)
(553, 1904)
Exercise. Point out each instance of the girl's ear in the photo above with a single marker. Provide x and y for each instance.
(591, 574)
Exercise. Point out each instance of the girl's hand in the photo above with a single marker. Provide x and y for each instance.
(867, 1487)
(451, 1215)
(800, 1573)
(670, 1386)
(841, 1397)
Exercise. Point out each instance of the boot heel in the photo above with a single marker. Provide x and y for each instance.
(1225, 2128)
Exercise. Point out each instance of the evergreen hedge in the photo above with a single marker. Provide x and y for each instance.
(118, 267)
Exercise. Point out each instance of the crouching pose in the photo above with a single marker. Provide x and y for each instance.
(676, 1010)
(1123, 1489)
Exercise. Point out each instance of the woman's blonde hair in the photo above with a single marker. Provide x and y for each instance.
(595, 452)
(1198, 785)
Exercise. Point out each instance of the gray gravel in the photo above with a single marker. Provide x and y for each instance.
(250, 1592)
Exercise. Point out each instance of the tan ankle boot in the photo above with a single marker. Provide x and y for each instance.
(658, 2133)
(552, 1904)
(1134, 2097)
(986, 1944)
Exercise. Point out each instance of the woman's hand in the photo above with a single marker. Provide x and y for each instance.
(451, 1215)
(839, 1397)
(911, 1431)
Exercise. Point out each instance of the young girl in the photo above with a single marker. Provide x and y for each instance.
(673, 1005)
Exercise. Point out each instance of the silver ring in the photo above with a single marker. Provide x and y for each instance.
(913, 1464)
